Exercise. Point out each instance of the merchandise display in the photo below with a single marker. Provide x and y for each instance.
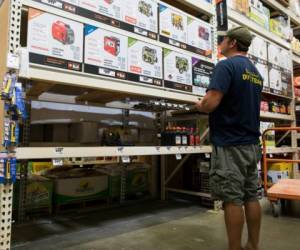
(54, 41)
(177, 71)
(260, 14)
(144, 62)
(275, 107)
(270, 137)
(105, 53)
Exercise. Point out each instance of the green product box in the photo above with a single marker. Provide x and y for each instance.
(261, 17)
(39, 191)
(67, 190)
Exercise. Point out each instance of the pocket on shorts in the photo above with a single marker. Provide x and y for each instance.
(219, 182)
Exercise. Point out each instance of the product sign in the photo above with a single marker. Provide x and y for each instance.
(199, 37)
(54, 41)
(142, 15)
(202, 72)
(173, 26)
(222, 18)
(177, 71)
(105, 52)
(144, 62)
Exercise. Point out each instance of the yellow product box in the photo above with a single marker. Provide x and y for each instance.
(38, 167)
(282, 166)
(275, 27)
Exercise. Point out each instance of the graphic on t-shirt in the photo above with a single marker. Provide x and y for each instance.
(252, 77)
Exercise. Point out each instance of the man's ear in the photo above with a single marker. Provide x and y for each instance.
(233, 42)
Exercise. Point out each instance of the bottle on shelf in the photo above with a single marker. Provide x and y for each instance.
(184, 136)
(197, 137)
(178, 137)
(191, 137)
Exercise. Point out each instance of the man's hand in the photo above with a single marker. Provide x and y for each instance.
(209, 102)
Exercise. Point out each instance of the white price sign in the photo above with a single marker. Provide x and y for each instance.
(57, 162)
(125, 159)
(178, 157)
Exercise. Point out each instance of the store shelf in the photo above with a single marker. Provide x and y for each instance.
(275, 116)
(59, 76)
(81, 19)
(281, 150)
(277, 95)
(68, 152)
(244, 20)
(200, 5)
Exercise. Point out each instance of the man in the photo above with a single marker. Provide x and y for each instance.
(233, 102)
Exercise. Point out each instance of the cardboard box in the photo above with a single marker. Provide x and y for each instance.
(239, 5)
(137, 179)
(275, 176)
(275, 80)
(275, 27)
(105, 52)
(144, 62)
(282, 166)
(36, 168)
(39, 191)
(283, 62)
(270, 137)
(199, 37)
(54, 41)
(68, 190)
(142, 14)
(202, 72)
(258, 48)
(177, 71)
(261, 16)
(264, 72)
(274, 54)
(112, 9)
(173, 25)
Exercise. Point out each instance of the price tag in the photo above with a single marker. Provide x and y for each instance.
(207, 156)
(13, 61)
(57, 162)
(125, 159)
(178, 157)
(59, 150)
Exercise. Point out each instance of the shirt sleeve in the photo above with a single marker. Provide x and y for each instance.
(222, 77)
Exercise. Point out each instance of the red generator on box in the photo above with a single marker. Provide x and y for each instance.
(112, 45)
(63, 33)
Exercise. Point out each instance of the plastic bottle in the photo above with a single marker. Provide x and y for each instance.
(178, 139)
(191, 137)
(184, 136)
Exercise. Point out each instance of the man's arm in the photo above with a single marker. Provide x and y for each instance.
(210, 101)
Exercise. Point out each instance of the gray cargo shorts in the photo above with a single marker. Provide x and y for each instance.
(233, 173)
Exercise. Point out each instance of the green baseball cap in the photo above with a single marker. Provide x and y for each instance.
(241, 34)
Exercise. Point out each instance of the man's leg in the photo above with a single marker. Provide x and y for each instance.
(253, 217)
(234, 220)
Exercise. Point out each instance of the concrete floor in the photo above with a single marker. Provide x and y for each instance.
(149, 226)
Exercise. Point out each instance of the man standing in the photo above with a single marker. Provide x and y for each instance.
(233, 102)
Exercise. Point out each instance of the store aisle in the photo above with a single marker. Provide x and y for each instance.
(151, 226)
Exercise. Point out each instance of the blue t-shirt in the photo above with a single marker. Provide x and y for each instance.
(236, 120)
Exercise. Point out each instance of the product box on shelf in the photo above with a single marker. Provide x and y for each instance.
(284, 61)
(286, 81)
(137, 179)
(275, 176)
(275, 81)
(105, 52)
(201, 74)
(274, 54)
(144, 62)
(239, 5)
(270, 137)
(143, 16)
(258, 48)
(282, 166)
(263, 69)
(260, 15)
(275, 27)
(173, 26)
(54, 41)
(199, 37)
(37, 168)
(177, 71)
(39, 191)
